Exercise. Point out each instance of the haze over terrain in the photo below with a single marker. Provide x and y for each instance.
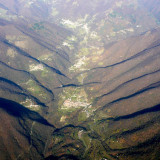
(79, 79)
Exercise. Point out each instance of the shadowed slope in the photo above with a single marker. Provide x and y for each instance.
(24, 133)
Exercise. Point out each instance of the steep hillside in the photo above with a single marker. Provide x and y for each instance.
(24, 134)
(79, 80)
(30, 60)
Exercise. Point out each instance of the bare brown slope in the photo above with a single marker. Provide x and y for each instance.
(127, 99)
(24, 134)
(23, 48)
(129, 66)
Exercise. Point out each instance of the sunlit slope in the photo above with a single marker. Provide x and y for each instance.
(91, 69)
(127, 99)
(105, 19)
(31, 63)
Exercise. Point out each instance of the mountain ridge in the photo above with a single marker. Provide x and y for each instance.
(86, 75)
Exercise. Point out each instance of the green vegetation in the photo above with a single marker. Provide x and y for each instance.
(85, 139)
(54, 12)
(28, 103)
(118, 28)
(133, 19)
(45, 57)
(3, 11)
(114, 14)
(45, 72)
(82, 116)
(100, 63)
(158, 21)
(96, 150)
(36, 90)
(4, 15)
(83, 52)
(72, 99)
(114, 143)
(81, 78)
(38, 26)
